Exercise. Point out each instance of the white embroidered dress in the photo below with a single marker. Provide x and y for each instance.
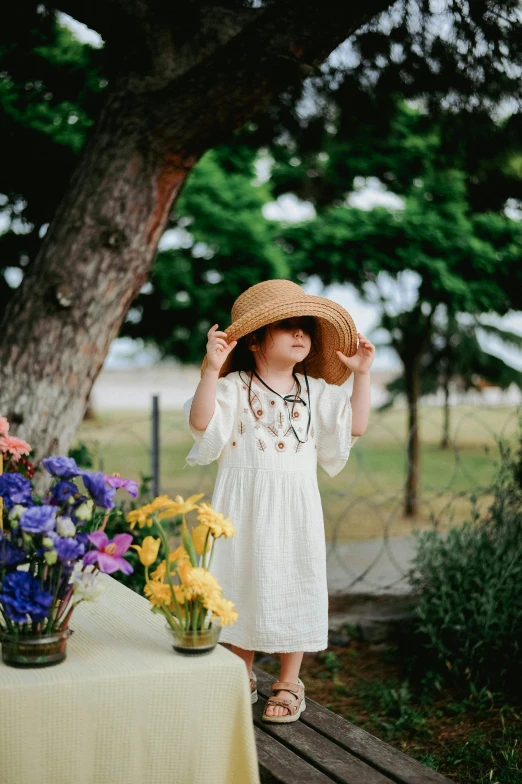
(274, 568)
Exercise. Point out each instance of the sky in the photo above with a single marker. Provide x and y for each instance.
(125, 352)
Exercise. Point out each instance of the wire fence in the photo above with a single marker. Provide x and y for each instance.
(370, 542)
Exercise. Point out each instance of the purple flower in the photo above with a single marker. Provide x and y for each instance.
(10, 554)
(62, 467)
(38, 520)
(96, 484)
(15, 489)
(61, 492)
(22, 596)
(130, 485)
(82, 537)
(68, 548)
(108, 553)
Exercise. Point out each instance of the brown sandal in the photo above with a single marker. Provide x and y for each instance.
(253, 687)
(294, 711)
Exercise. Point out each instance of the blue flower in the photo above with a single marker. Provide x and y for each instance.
(61, 492)
(22, 596)
(96, 484)
(15, 489)
(38, 520)
(68, 548)
(10, 554)
(62, 467)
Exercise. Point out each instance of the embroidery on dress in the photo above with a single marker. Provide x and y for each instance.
(241, 428)
(273, 430)
(261, 444)
(297, 446)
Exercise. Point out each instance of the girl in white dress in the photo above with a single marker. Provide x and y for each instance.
(268, 408)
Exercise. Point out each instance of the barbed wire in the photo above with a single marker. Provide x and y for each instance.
(370, 541)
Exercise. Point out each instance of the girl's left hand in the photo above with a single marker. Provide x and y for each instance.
(363, 357)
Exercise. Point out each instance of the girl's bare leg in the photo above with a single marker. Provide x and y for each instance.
(247, 656)
(290, 666)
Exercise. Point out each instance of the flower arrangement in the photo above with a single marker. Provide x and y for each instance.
(181, 587)
(53, 548)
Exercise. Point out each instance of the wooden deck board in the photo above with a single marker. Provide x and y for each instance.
(357, 744)
(320, 752)
(279, 764)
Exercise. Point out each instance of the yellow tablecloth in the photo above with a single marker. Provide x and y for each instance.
(124, 707)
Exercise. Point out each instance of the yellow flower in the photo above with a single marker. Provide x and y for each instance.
(183, 593)
(179, 554)
(222, 608)
(140, 516)
(148, 552)
(179, 506)
(184, 569)
(158, 593)
(160, 572)
(164, 507)
(202, 582)
(218, 524)
(199, 534)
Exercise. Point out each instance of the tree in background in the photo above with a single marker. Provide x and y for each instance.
(454, 356)
(465, 260)
(177, 85)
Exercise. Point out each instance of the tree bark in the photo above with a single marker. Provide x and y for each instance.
(93, 262)
(159, 117)
(412, 382)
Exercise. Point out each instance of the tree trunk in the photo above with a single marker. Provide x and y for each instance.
(445, 443)
(93, 261)
(183, 92)
(412, 381)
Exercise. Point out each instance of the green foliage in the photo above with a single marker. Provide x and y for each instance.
(467, 261)
(51, 88)
(82, 454)
(398, 712)
(468, 615)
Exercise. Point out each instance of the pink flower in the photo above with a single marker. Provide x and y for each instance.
(4, 426)
(130, 485)
(14, 446)
(108, 553)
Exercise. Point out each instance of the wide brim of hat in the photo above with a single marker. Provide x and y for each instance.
(335, 331)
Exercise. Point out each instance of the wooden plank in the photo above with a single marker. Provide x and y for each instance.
(320, 752)
(385, 758)
(279, 765)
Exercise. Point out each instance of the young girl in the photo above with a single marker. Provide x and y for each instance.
(269, 407)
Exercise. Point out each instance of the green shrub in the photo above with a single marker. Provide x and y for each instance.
(468, 591)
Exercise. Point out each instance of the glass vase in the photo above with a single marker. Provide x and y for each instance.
(37, 651)
(195, 642)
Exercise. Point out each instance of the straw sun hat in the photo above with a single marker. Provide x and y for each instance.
(273, 300)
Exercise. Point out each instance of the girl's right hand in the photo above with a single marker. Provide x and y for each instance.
(217, 348)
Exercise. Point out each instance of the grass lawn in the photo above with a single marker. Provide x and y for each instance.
(365, 499)
(470, 737)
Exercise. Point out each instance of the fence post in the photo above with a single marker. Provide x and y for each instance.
(155, 447)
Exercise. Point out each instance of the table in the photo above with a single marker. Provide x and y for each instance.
(124, 707)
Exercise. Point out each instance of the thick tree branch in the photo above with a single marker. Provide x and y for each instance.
(283, 45)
